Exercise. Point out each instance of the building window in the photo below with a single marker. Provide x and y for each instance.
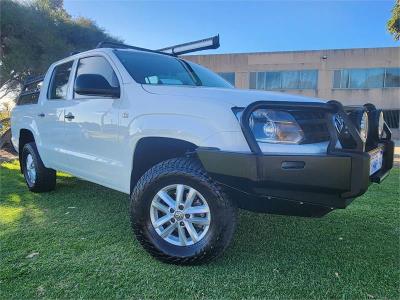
(392, 77)
(366, 78)
(228, 76)
(284, 80)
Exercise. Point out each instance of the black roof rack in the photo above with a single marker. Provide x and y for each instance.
(33, 79)
(208, 43)
(106, 44)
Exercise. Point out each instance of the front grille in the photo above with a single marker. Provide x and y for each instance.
(313, 124)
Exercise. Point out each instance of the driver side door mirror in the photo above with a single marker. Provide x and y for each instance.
(95, 85)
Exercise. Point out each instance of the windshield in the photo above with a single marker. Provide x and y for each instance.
(159, 69)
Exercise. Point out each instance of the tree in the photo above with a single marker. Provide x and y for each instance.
(393, 24)
(51, 5)
(35, 34)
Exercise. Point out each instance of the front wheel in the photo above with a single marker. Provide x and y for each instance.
(180, 215)
(37, 176)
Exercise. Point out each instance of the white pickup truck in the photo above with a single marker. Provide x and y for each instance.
(189, 148)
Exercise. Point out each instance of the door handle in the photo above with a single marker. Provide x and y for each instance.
(69, 116)
(41, 115)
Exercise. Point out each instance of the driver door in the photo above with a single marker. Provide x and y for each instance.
(92, 128)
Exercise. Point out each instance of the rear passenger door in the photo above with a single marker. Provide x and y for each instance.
(50, 117)
(92, 127)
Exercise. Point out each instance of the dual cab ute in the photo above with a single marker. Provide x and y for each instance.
(189, 148)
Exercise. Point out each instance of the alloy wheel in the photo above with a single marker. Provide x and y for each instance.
(180, 215)
(30, 169)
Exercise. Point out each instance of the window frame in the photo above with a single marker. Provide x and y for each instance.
(82, 97)
(51, 81)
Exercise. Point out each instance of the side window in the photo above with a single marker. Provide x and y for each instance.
(96, 65)
(59, 81)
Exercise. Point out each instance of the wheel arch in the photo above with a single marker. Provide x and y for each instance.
(145, 156)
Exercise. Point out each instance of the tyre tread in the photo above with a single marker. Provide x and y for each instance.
(192, 168)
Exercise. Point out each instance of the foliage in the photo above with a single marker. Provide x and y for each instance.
(4, 121)
(393, 24)
(37, 33)
(76, 242)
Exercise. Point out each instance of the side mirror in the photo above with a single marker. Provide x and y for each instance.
(95, 85)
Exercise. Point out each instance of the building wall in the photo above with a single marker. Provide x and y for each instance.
(325, 61)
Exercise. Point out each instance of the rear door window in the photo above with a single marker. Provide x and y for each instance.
(59, 81)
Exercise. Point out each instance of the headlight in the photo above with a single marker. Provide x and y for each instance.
(273, 126)
(376, 124)
(363, 129)
(360, 121)
(381, 124)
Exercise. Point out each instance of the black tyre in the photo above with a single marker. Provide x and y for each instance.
(37, 176)
(180, 215)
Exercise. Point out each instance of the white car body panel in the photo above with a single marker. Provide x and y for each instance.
(232, 97)
(99, 144)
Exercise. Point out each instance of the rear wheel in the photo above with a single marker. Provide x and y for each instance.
(180, 215)
(37, 176)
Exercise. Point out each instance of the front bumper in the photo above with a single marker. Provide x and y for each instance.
(305, 185)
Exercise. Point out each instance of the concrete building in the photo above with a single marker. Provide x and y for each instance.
(352, 76)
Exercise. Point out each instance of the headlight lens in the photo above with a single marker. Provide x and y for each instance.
(381, 124)
(364, 127)
(272, 126)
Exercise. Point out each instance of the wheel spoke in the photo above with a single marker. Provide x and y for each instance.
(202, 209)
(29, 160)
(179, 194)
(180, 214)
(160, 206)
(182, 236)
(192, 232)
(167, 231)
(199, 221)
(190, 197)
(167, 199)
(30, 168)
(161, 221)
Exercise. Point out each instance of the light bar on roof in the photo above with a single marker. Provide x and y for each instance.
(209, 43)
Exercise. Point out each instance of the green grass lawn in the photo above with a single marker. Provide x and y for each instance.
(86, 249)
